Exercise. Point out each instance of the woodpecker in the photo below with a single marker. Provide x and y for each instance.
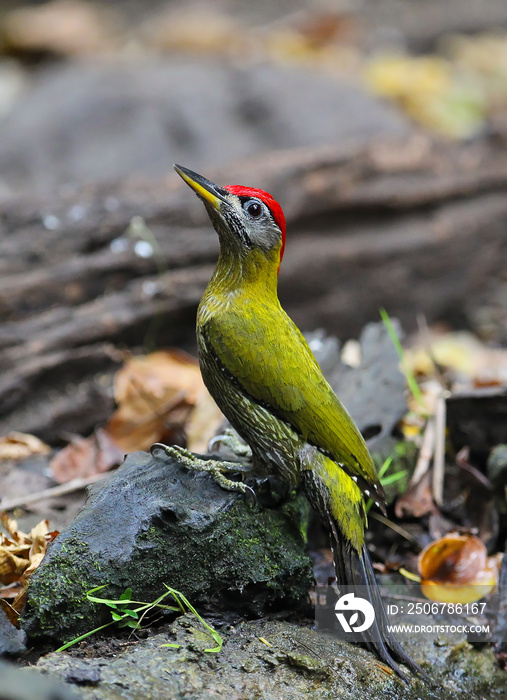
(262, 374)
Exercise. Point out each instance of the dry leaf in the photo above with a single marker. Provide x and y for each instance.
(417, 500)
(11, 566)
(460, 353)
(20, 555)
(456, 569)
(67, 27)
(16, 445)
(322, 28)
(200, 29)
(431, 91)
(85, 457)
(155, 396)
(205, 420)
(10, 525)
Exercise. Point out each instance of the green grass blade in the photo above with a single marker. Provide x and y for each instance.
(84, 636)
(218, 639)
(392, 478)
(97, 588)
(387, 463)
(409, 376)
(386, 480)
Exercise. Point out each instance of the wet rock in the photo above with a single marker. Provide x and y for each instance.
(85, 674)
(156, 523)
(273, 659)
(12, 640)
(17, 684)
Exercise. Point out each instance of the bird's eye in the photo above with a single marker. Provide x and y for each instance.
(253, 208)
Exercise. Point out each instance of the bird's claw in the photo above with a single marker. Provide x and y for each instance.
(250, 494)
(233, 442)
(156, 446)
(170, 450)
(215, 468)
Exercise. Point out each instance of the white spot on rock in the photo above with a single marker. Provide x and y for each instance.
(119, 245)
(143, 249)
(51, 222)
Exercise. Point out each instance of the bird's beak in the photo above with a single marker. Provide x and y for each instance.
(204, 188)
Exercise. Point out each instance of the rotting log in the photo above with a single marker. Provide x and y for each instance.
(417, 226)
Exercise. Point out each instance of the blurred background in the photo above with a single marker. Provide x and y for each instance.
(380, 125)
(381, 128)
(93, 91)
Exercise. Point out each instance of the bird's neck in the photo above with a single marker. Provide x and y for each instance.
(254, 273)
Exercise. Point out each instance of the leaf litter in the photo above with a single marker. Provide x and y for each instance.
(161, 397)
(20, 555)
(156, 395)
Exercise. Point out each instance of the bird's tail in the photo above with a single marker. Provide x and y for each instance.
(355, 571)
(339, 502)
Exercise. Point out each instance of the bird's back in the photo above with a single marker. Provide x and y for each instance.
(260, 348)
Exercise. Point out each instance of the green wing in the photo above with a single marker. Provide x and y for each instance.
(268, 355)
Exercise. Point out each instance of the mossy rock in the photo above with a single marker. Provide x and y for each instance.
(155, 523)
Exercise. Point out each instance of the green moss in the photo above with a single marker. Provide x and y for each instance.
(309, 665)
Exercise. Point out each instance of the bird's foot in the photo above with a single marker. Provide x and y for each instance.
(212, 466)
(230, 439)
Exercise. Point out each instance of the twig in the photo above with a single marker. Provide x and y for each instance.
(61, 490)
(462, 461)
(394, 526)
(425, 453)
(439, 458)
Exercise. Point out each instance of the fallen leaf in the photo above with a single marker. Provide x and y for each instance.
(456, 569)
(204, 421)
(155, 395)
(85, 457)
(16, 445)
(10, 525)
(461, 354)
(11, 566)
(431, 91)
(66, 27)
(417, 500)
(323, 28)
(11, 591)
(200, 29)
(20, 555)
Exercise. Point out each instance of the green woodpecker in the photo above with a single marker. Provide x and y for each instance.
(263, 376)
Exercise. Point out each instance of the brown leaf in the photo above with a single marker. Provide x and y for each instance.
(205, 420)
(16, 445)
(85, 457)
(417, 501)
(453, 558)
(155, 395)
(11, 526)
(322, 28)
(200, 29)
(11, 566)
(157, 376)
(19, 557)
(66, 27)
(456, 569)
(12, 614)
(10, 591)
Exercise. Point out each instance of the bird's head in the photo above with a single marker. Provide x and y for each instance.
(249, 222)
